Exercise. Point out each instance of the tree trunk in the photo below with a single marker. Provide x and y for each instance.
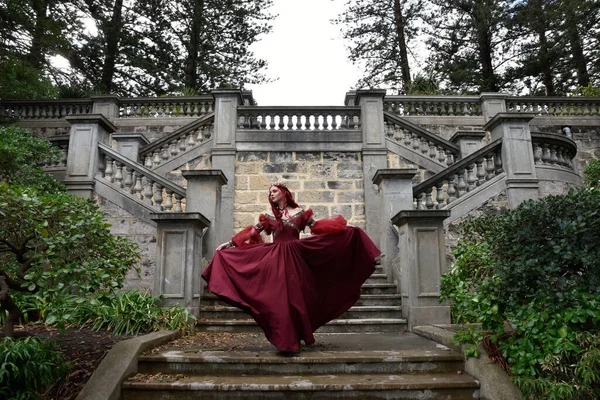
(7, 304)
(191, 64)
(484, 47)
(404, 66)
(36, 54)
(539, 20)
(583, 78)
(113, 37)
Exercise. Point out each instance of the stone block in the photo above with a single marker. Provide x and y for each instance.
(349, 171)
(241, 183)
(315, 185)
(359, 210)
(345, 210)
(340, 185)
(280, 168)
(309, 156)
(320, 212)
(243, 220)
(243, 197)
(247, 169)
(350, 197)
(340, 156)
(281, 157)
(316, 197)
(260, 182)
(252, 156)
(252, 208)
(321, 171)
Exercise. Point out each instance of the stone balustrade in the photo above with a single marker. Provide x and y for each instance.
(553, 150)
(140, 182)
(554, 106)
(459, 179)
(178, 142)
(62, 143)
(299, 118)
(44, 109)
(166, 107)
(419, 140)
(432, 105)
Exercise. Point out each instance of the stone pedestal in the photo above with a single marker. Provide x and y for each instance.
(129, 144)
(374, 154)
(492, 103)
(517, 155)
(395, 195)
(204, 197)
(179, 259)
(468, 141)
(421, 246)
(107, 105)
(83, 156)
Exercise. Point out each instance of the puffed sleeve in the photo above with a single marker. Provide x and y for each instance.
(333, 224)
(251, 234)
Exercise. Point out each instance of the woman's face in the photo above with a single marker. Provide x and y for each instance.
(275, 194)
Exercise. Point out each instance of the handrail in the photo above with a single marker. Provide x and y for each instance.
(552, 149)
(161, 107)
(44, 109)
(428, 105)
(292, 118)
(438, 141)
(554, 106)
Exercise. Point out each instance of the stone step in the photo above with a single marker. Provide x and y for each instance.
(200, 362)
(335, 326)
(449, 385)
(379, 288)
(356, 312)
(377, 278)
(209, 299)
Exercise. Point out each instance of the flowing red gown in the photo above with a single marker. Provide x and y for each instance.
(293, 286)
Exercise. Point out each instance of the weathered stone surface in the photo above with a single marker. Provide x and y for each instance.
(321, 171)
(350, 197)
(250, 156)
(281, 157)
(340, 185)
(341, 156)
(316, 197)
(315, 185)
(349, 171)
(308, 156)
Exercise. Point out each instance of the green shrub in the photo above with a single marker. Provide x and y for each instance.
(592, 173)
(28, 366)
(537, 267)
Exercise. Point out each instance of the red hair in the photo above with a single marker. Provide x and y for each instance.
(288, 200)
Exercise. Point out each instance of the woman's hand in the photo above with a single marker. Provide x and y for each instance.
(225, 245)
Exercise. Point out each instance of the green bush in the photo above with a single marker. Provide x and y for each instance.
(537, 267)
(28, 366)
(592, 173)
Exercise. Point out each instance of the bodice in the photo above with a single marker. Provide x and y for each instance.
(289, 228)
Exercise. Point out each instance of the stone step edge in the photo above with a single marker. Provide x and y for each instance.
(209, 296)
(352, 309)
(309, 383)
(364, 321)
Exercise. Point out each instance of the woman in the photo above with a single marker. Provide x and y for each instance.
(292, 286)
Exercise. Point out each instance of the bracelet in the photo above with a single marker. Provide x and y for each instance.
(231, 244)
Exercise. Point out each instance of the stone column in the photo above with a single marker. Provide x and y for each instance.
(129, 144)
(492, 103)
(83, 156)
(179, 259)
(468, 141)
(374, 155)
(395, 195)
(517, 155)
(107, 105)
(422, 259)
(204, 197)
(223, 155)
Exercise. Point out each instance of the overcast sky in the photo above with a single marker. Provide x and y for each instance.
(306, 52)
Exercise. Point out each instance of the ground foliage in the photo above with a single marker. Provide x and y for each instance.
(537, 267)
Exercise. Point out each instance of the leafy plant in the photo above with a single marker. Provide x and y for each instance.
(592, 173)
(29, 365)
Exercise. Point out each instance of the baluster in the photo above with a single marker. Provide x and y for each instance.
(439, 194)
(449, 158)
(182, 144)
(424, 146)
(537, 153)
(429, 198)
(64, 153)
(164, 153)
(462, 186)
(441, 155)
(191, 139)
(553, 158)
(281, 124)
(442, 106)
(148, 160)
(177, 207)
(148, 190)
(118, 174)
(208, 131)
(263, 122)
(408, 139)
(545, 153)
(560, 155)
(137, 188)
(108, 172)
(398, 134)
(388, 129)
(157, 158)
(200, 134)
(158, 195)
(489, 168)
(452, 185)
(480, 172)
(334, 124)
(498, 162)
(421, 202)
(272, 121)
(101, 167)
(416, 143)
(168, 206)
(173, 150)
(128, 181)
(471, 178)
(432, 151)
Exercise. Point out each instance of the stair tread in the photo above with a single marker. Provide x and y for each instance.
(192, 355)
(344, 382)
(362, 321)
(353, 308)
(362, 296)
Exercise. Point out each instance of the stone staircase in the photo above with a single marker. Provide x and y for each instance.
(378, 310)
(364, 354)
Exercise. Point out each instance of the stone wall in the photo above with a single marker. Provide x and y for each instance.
(327, 182)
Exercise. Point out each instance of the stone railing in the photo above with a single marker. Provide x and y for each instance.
(62, 143)
(299, 118)
(554, 106)
(459, 179)
(165, 107)
(419, 140)
(432, 105)
(44, 109)
(134, 179)
(178, 142)
(553, 150)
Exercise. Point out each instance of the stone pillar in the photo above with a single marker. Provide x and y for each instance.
(374, 155)
(223, 155)
(492, 103)
(395, 195)
(422, 259)
(107, 105)
(83, 156)
(129, 144)
(204, 197)
(468, 141)
(517, 155)
(179, 259)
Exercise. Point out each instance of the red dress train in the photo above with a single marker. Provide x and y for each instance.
(293, 286)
